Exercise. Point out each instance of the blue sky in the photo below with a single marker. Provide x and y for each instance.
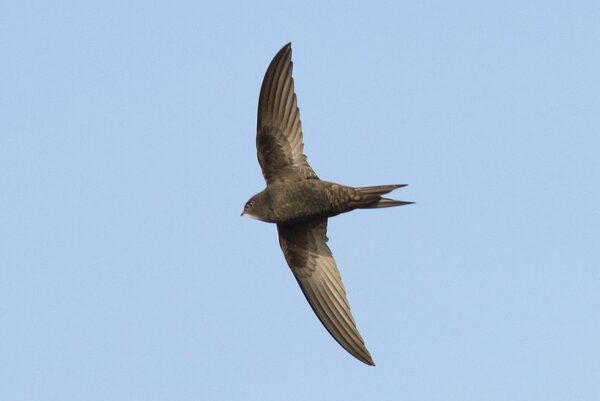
(127, 152)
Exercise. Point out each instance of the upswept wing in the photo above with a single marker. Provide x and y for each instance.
(304, 246)
(279, 131)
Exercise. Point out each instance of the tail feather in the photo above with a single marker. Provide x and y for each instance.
(379, 189)
(385, 202)
(371, 197)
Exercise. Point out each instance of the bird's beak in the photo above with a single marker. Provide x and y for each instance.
(241, 214)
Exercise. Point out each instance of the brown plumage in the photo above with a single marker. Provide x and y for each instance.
(300, 204)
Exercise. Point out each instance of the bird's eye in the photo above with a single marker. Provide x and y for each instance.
(249, 204)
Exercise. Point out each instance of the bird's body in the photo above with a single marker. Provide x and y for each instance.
(290, 202)
(300, 204)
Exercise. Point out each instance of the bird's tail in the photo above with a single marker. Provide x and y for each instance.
(370, 197)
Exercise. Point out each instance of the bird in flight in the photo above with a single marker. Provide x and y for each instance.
(300, 204)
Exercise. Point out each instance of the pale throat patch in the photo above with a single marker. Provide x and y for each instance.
(250, 215)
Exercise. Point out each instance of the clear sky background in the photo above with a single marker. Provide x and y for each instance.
(127, 151)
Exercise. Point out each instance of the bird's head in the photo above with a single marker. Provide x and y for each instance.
(258, 207)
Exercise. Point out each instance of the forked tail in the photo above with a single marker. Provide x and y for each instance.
(370, 197)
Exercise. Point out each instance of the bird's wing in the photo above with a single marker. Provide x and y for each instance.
(279, 131)
(304, 246)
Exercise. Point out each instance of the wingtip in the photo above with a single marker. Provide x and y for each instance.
(284, 52)
(362, 354)
(286, 48)
(369, 362)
